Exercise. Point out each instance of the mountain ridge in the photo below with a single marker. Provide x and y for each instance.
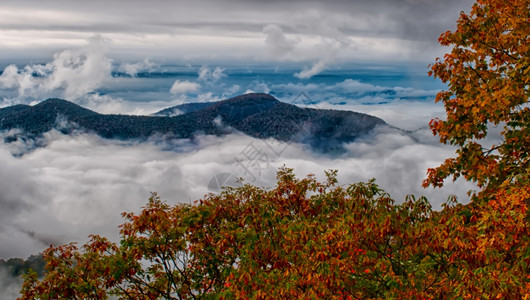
(257, 115)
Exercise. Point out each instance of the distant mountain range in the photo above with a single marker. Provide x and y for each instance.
(257, 115)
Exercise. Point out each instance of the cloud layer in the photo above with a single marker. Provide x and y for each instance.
(80, 184)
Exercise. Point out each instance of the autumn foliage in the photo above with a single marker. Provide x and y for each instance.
(310, 239)
(488, 78)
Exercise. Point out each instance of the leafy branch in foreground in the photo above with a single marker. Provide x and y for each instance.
(488, 77)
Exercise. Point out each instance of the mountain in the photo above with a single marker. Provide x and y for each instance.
(257, 115)
(182, 109)
(42, 117)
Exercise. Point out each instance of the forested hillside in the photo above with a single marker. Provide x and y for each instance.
(257, 115)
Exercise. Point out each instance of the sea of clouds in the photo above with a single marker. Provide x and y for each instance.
(79, 184)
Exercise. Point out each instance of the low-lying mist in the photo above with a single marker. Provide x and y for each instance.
(79, 184)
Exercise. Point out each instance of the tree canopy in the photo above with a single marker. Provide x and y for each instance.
(302, 239)
(488, 77)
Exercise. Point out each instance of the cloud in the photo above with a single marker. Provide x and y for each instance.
(79, 184)
(184, 86)
(10, 77)
(9, 286)
(132, 69)
(72, 73)
(276, 41)
(331, 44)
(207, 97)
(407, 115)
(357, 86)
(233, 90)
(257, 86)
(404, 107)
(13, 198)
(314, 70)
(140, 29)
(211, 76)
(318, 37)
(37, 196)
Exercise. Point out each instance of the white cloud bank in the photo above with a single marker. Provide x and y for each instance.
(72, 72)
(80, 184)
(132, 69)
(318, 67)
(211, 75)
(80, 75)
(183, 87)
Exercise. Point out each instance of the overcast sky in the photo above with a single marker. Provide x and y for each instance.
(318, 31)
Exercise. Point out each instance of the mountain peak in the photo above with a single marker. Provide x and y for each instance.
(251, 103)
(260, 97)
(55, 101)
(63, 107)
